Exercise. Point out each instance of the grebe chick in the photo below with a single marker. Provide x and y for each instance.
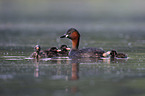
(64, 50)
(52, 52)
(74, 35)
(115, 54)
(38, 53)
(64, 47)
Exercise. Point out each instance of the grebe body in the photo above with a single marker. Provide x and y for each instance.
(74, 36)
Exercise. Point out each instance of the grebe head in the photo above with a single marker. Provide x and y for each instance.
(37, 48)
(113, 53)
(72, 34)
(64, 47)
(53, 49)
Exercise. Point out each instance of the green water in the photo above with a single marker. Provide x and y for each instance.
(19, 75)
(116, 25)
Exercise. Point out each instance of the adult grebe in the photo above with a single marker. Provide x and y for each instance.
(74, 35)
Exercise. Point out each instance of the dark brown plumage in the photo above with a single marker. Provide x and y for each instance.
(115, 54)
(74, 35)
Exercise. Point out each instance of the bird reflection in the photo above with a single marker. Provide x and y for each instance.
(36, 70)
(118, 60)
(75, 70)
(68, 69)
(74, 74)
(74, 64)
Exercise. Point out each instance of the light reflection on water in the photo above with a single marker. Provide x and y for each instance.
(59, 63)
(18, 62)
(71, 76)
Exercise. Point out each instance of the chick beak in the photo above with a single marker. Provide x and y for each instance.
(68, 49)
(106, 54)
(58, 50)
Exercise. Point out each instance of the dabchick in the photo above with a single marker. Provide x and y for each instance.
(75, 52)
(115, 54)
(38, 53)
(64, 50)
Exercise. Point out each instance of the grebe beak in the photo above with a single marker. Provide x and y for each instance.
(68, 49)
(106, 54)
(58, 50)
(63, 36)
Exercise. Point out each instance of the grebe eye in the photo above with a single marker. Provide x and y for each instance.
(69, 33)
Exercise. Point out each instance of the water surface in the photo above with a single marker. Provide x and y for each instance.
(116, 25)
